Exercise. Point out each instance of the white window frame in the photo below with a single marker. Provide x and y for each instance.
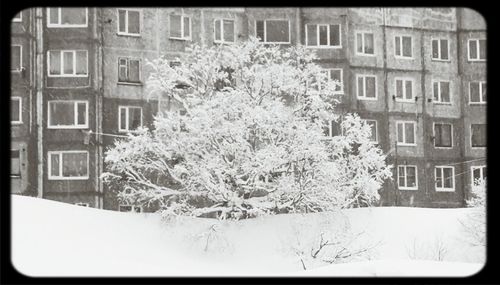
(17, 98)
(82, 204)
(376, 128)
(406, 178)
(20, 19)
(60, 177)
(404, 79)
(330, 129)
(364, 76)
(404, 133)
(183, 37)
(327, 46)
(222, 41)
(401, 46)
(62, 63)
(434, 135)
(128, 64)
(439, 92)
(131, 208)
(362, 42)
(481, 168)
(478, 53)
(127, 108)
(127, 33)
(59, 25)
(20, 58)
(481, 102)
(264, 41)
(441, 168)
(75, 106)
(470, 139)
(439, 49)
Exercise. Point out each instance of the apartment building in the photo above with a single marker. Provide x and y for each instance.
(417, 75)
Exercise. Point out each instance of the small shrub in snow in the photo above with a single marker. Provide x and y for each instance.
(474, 225)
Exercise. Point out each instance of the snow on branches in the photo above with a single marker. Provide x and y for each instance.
(251, 139)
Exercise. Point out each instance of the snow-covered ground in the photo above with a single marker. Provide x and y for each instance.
(56, 239)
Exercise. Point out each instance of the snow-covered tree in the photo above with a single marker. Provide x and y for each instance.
(250, 138)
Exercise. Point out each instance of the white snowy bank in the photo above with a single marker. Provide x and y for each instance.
(56, 239)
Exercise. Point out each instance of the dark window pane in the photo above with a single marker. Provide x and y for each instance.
(336, 75)
(435, 89)
(259, 25)
(81, 62)
(123, 118)
(122, 70)
(228, 31)
(68, 62)
(448, 177)
(121, 21)
(74, 164)
(361, 87)
(369, 44)
(311, 35)
(411, 179)
(323, 35)
(439, 178)
(478, 135)
(336, 129)
(73, 16)
(409, 133)
(55, 62)
(359, 43)
(134, 26)
(400, 132)
(175, 26)
(482, 49)
(15, 116)
(444, 49)
(54, 16)
(277, 31)
(373, 126)
(397, 45)
(15, 167)
(15, 59)
(134, 71)
(187, 28)
(370, 87)
(474, 92)
(445, 92)
(442, 135)
(335, 35)
(473, 50)
(217, 30)
(82, 113)
(483, 91)
(407, 46)
(62, 113)
(399, 88)
(476, 174)
(54, 165)
(435, 49)
(134, 118)
(408, 89)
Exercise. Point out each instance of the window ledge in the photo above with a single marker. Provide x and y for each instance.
(442, 103)
(477, 103)
(445, 190)
(477, 60)
(68, 178)
(324, 47)
(367, 99)
(404, 57)
(407, 188)
(128, 35)
(365, 54)
(66, 26)
(443, 147)
(405, 101)
(180, 39)
(441, 60)
(67, 127)
(224, 42)
(16, 123)
(130, 83)
(406, 144)
(67, 76)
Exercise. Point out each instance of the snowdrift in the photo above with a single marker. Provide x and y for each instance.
(56, 239)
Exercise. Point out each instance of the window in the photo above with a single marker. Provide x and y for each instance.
(336, 75)
(273, 31)
(373, 126)
(129, 208)
(129, 22)
(68, 165)
(16, 110)
(366, 86)
(443, 135)
(82, 204)
(68, 115)
(404, 89)
(441, 91)
(129, 70)
(223, 31)
(478, 174)
(130, 118)
(440, 49)
(478, 135)
(18, 17)
(16, 59)
(406, 133)
(403, 46)
(407, 177)
(445, 178)
(68, 63)
(67, 17)
(477, 49)
(180, 27)
(323, 35)
(365, 43)
(477, 92)
(333, 129)
(15, 163)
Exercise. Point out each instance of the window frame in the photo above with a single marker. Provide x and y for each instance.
(59, 25)
(60, 177)
(376, 129)
(20, 99)
(481, 102)
(470, 139)
(221, 26)
(327, 46)
(20, 19)
(439, 91)
(127, 33)
(362, 42)
(127, 108)
(414, 188)
(439, 49)
(183, 37)
(434, 135)
(128, 68)
(20, 161)
(264, 41)
(401, 56)
(478, 59)
(481, 168)
(444, 189)
(404, 133)
(404, 79)
(364, 76)
(75, 108)
(62, 63)
(20, 57)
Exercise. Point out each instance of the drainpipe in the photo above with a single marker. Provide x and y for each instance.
(424, 114)
(39, 98)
